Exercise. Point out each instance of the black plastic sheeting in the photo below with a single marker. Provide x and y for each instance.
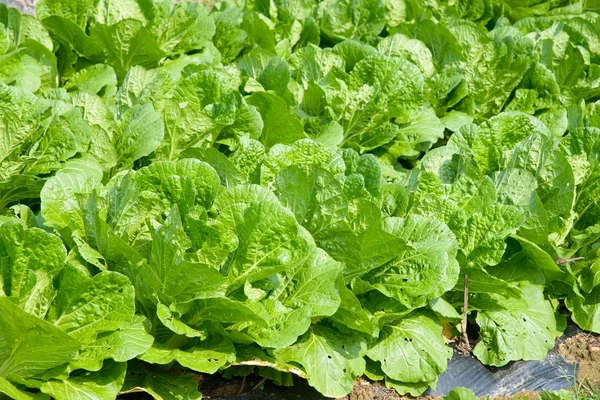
(551, 373)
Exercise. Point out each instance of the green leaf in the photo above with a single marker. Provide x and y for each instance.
(538, 258)
(219, 309)
(137, 134)
(120, 345)
(524, 330)
(312, 285)
(460, 393)
(332, 360)
(16, 393)
(76, 11)
(480, 281)
(168, 276)
(424, 269)
(269, 238)
(20, 188)
(586, 311)
(280, 125)
(203, 356)
(88, 306)
(29, 261)
(83, 385)
(38, 347)
(60, 195)
(229, 38)
(183, 182)
(127, 43)
(361, 252)
(183, 27)
(96, 78)
(414, 389)
(303, 153)
(314, 196)
(414, 340)
(109, 14)
(284, 324)
(350, 313)
(483, 240)
(22, 28)
(161, 384)
(350, 19)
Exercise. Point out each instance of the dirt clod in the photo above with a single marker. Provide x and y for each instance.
(584, 349)
(361, 393)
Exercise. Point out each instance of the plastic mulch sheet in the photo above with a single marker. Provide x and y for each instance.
(551, 373)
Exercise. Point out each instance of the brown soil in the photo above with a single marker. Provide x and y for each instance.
(365, 389)
(584, 349)
(524, 395)
(361, 393)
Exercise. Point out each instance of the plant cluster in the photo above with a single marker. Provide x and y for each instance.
(291, 187)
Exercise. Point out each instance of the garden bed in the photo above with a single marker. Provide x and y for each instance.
(334, 194)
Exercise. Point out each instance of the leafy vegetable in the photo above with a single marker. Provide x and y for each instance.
(291, 187)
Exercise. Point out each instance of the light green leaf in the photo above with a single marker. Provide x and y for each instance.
(61, 193)
(424, 269)
(38, 346)
(120, 345)
(525, 330)
(16, 393)
(412, 350)
(138, 133)
(203, 356)
(351, 19)
(29, 261)
(161, 384)
(280, 125)
(84, 385)
(332, 360)
(460, 393)
(269, 239)
(88, 306)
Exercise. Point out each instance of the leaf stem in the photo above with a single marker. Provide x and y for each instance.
(261, 363)
(464, 345)
(259, 383)
(562, 261)
(242, 386)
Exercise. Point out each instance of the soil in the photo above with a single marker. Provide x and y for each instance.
(584, 349)
(526, 395)
(368, 390)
